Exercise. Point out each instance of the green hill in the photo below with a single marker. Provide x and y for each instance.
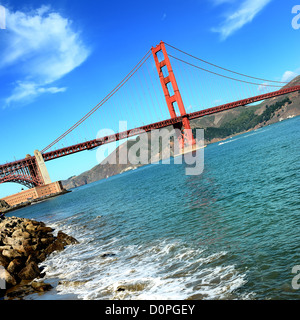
(227, 123)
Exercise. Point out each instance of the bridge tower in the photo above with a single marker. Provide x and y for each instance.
(168, 82)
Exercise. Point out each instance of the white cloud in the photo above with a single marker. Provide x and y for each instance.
(40, 47)
(2, 17)
(290, 75)
(244, 14)
(26, 91)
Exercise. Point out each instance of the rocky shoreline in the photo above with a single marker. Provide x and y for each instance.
(25, 243)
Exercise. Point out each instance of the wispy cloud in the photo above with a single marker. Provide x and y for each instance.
(26, 91)
(243, 14)
(39, 48)
(290, 75)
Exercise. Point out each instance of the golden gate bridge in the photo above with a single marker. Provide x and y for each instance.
(199, 88)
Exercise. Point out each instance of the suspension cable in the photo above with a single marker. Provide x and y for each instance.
(221, 75)
(214, 65)
(107, 97)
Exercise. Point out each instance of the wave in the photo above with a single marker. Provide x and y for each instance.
(257, 131)
(161, 270)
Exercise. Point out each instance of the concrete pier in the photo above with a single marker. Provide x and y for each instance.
(42, 167)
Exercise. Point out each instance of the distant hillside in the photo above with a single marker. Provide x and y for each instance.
(227, 123)
(217, 127)
(99, 172)
(105, 169)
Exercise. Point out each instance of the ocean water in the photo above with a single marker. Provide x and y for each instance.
(232, 232)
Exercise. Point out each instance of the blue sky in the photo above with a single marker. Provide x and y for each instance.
(58, 59)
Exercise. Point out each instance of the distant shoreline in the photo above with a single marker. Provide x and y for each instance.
(216, 140)
(30, 202)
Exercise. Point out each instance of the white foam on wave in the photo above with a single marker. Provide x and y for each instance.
(160, 270)
(252, 133)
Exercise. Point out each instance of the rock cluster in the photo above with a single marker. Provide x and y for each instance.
(24, 244)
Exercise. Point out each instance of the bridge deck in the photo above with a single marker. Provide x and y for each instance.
(162, 124)
(89, 145)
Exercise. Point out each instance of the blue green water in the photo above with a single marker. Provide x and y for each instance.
(230, 233)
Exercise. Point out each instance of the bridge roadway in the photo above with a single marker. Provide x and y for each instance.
(8, 168)
(89, 145)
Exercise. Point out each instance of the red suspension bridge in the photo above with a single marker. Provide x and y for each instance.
(200, 88)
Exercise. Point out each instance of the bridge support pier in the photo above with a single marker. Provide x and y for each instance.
(43, 171)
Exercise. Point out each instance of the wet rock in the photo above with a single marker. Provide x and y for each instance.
(20, 233)
(42, 256)
(65, 239)
(12, 242)
(57, 245)
(23, 244)
(19, 292)
(4, 262)
(30, 272)
(27, 249)
(198, 297)
(31, 229)
(5, 247)
(108, 255)
(11, 254)
(15, 266)
(44, 230)
(31, 258)
(47, 241)
(27, 287)
(41, 286)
